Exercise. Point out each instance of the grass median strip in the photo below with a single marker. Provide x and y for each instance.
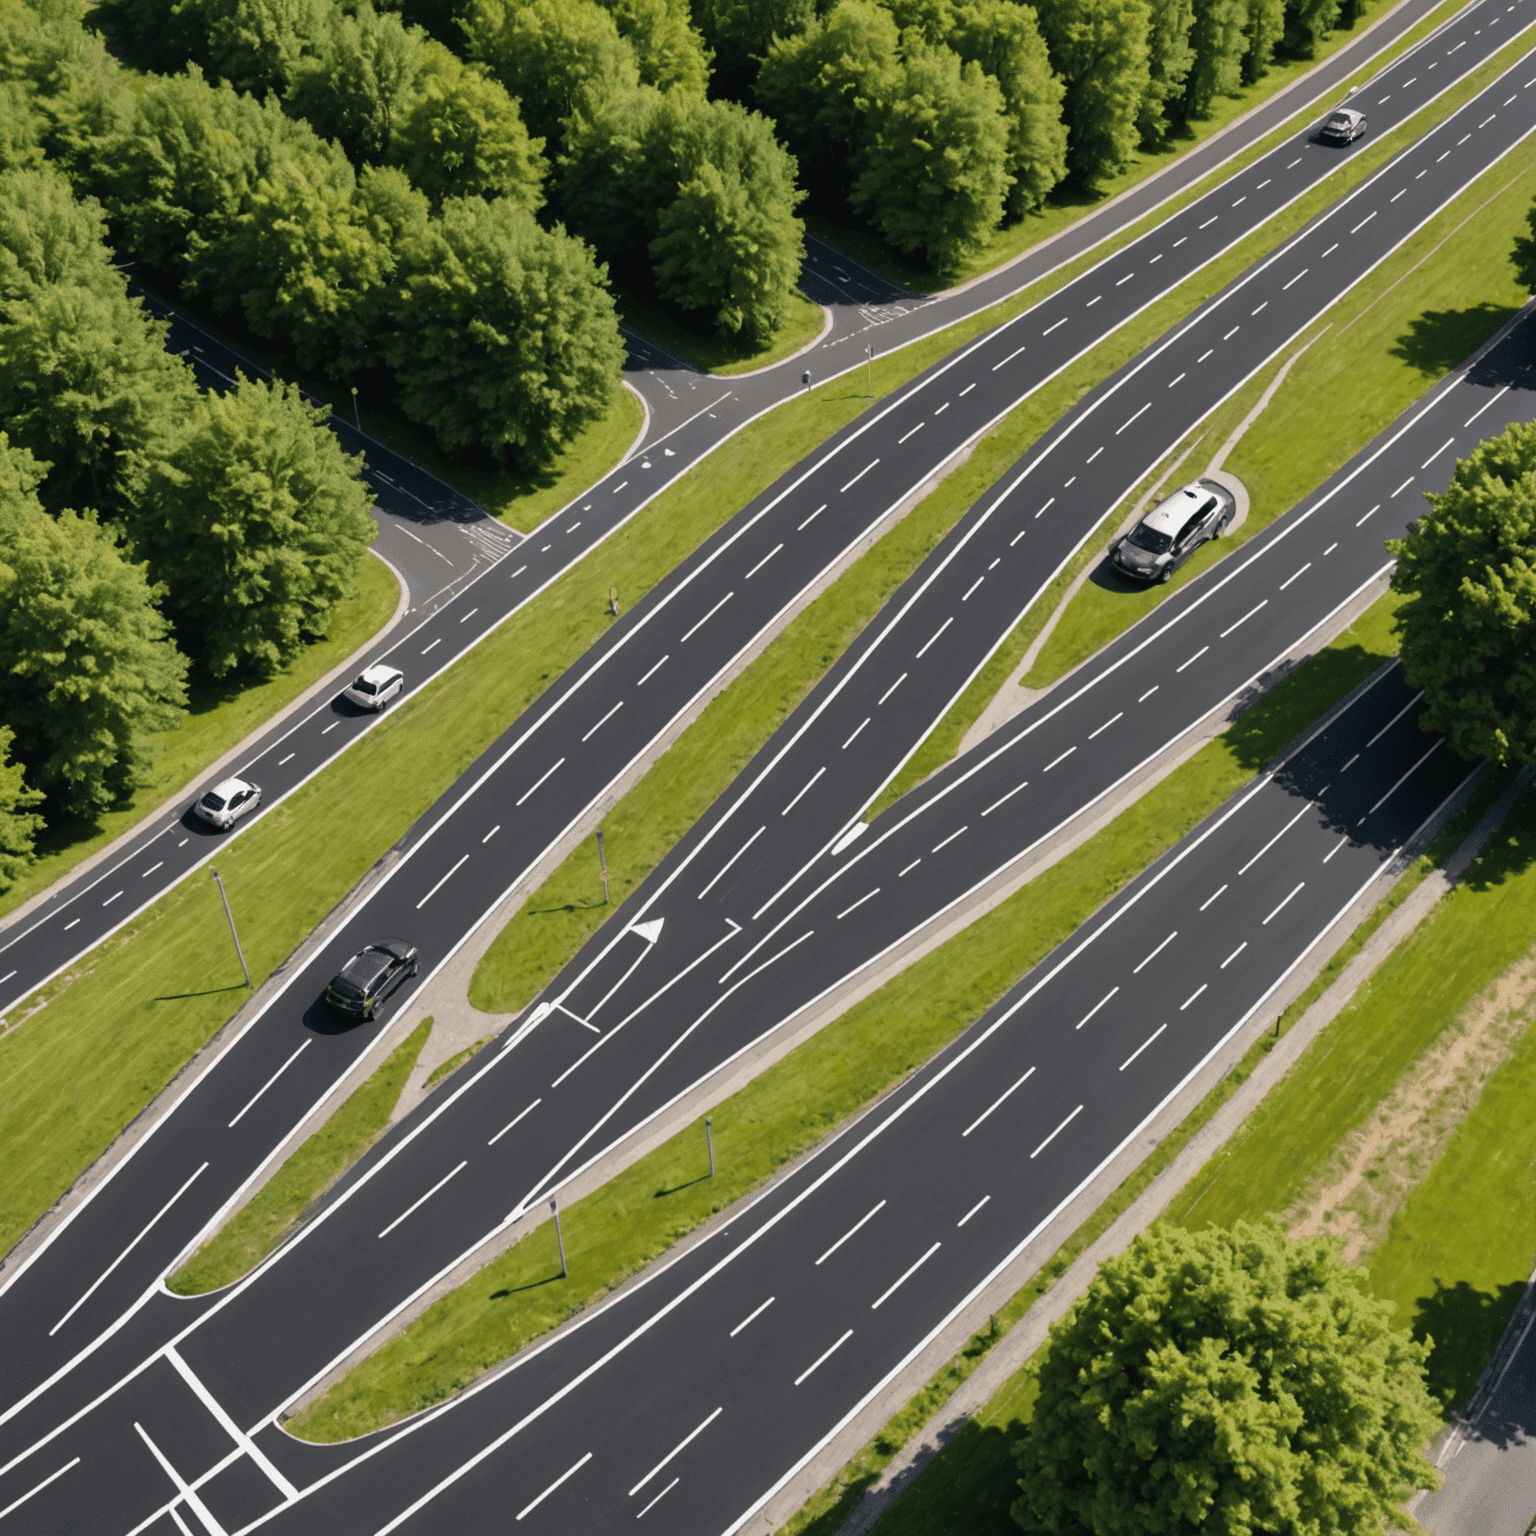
(643, 1211)
(279, 1206)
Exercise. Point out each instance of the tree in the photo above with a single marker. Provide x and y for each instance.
(1170, 58)
(1005, 40)
(557, 57)
(1099, 49)
(1232, 1383)
(933, 177)
(1263, 28)
(669, 52)
(352, 89)
(505, 334)
(1308, 23)
(1468, 627)
(461, 135)
(740, 33)
(88, 670)
(1219, 43)
(85, 380)
(256, 45)
(18, 824)
(255, 522)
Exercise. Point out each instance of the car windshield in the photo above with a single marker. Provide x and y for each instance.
(1148, 538)
(344, 986)
(1338, 120)
(364, 686)
(213, 802)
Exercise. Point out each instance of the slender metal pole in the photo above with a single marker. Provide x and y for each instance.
(559, 1237)
(869, 369)
(355, 411)
(232, 933)
(613, 601)
(603, 865)
(709, 1137)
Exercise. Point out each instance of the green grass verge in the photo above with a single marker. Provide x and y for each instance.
(1068, 204)
(672, 329)
(643, 1211)
(1416, 317)
(218, 715)
(447, 1068)
(280, 1205)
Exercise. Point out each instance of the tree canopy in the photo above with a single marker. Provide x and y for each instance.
(1228, 1383)
(1468, 571)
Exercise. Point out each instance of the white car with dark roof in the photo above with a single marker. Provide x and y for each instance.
(1173, 530)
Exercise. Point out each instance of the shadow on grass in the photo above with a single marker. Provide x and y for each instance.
(661, 1194)
(1439, 339)
(1466, 1325)
(517, 1290)
(176, 997)
(968, 1487)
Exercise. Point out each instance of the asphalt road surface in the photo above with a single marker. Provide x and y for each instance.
(83, 911)
(706, 1386)
(159, 1199)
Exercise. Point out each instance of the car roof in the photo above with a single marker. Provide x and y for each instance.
(226, 788)
(1349, 112)
(1168, 516)
(379, 673)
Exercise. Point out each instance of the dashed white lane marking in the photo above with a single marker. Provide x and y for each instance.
(148, 872)
(1124, 280)
(52, 1477)
(619, 487)
(436, 642)
(1000, 1100)
(858, 477)
(1193, 995)
(417, 1204)
(868, 895)
(1011, 793)
(910, 867)
(1057, 1132)
(1209, 221)
(489, 835)
(649, 674)
(1436, 454)
(822, 1359)
(334, 723)
(513, 1121)
(1047, 331)
(1180, 378)
(1243, 199)
(1276, 838)
(676, 1450)
(964, 392)
(110, 899)
(255, 1096)
(1289, 579)
(764, 561)
(441, 883)
(528, 1509)
(1096, 1007)
(892, 689)
(855, 735)
(1363, 222)
(812, 518)
(68, 926)
(606, 718)
(1156, 952)
(1064, 756)
(1332, 248)
(1236, 952)
(1330, 549)
(939, 631)
(1374, 510)
(1388, 726)
(720, 873)
(1223, 635)
(283, 760)
(1193, 659)
(1148, 694)
(1483, 407)
(472, 612)
(948, 840)
(1233, 332)
(900, 440)
(1212, 897)
(1278, 910)
(970, 589)
(1094, 300)
(1106, 725)
(751, 1316)
(708, 616)
(1396, 195)
(1142, 412)
(1092, 456)
(675, 1481)
(1140, 1048)
(527, 792)
(867, 1216)
(810, 781)
(1205, 354)
(1262, 307)
(1397, 786)
(1008, 359)
(973, 1210)
(1294, 163)
(891, 1289)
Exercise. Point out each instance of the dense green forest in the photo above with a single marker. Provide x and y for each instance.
(434, 201)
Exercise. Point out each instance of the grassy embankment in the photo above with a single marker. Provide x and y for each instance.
(1069, 203)
(564, 913)
(645, 1209)
(1459, 1248)
(286, 1198)
(218, 715)
(1412, 320)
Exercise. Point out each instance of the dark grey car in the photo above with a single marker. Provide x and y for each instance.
(1342, 127)
(369, 978)
(1173, 530)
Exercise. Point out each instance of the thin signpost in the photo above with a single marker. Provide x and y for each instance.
(232, 932)
(602, 864)
(554, 1210)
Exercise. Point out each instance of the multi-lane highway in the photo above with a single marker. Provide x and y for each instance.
(691, 415)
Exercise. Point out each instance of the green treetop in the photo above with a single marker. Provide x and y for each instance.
(1226, 1384)
(1468, 627)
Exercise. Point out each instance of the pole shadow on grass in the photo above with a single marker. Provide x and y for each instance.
(517, 1290)
(177, 997)
(677, 1189)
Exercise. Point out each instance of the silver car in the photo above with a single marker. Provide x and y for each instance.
(375, 687)
(1342, 127)
(1173, 530)
(227, 802)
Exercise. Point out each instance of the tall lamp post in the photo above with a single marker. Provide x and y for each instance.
(223, 896)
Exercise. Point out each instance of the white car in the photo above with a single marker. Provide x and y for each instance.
(227, 802)
(1343, 127)
(376, 686)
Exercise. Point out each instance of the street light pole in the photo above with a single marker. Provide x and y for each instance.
(603, 866)
(232, 933)
(355, 411)
(559, 1237)
(709, 1138)
(869, 369)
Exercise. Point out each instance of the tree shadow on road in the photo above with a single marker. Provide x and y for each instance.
(1466, 1325)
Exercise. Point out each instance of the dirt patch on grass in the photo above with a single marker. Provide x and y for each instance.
(1369, 1178)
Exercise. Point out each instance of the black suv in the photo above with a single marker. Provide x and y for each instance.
(368, 978)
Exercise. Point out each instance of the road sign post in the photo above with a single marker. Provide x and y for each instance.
(709, 1140)
(602, 865)
(869, 369)
(559, 1237)
(232, 933)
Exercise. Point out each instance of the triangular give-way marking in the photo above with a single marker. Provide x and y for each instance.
(650, 931)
